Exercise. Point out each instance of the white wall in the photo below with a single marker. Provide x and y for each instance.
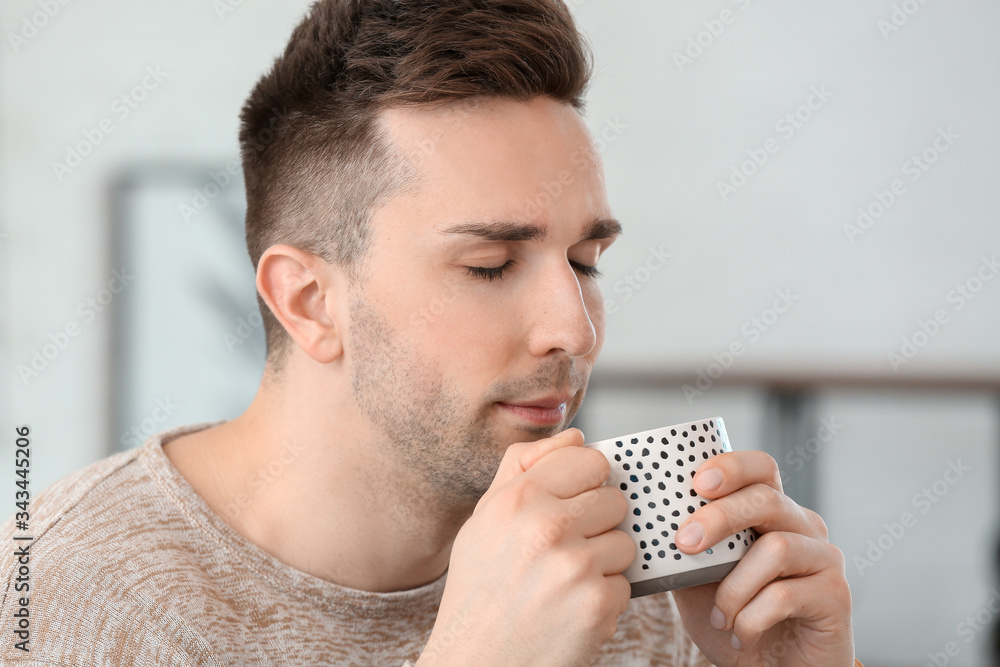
(784, 229)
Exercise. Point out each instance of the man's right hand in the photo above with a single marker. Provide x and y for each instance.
(534, 576)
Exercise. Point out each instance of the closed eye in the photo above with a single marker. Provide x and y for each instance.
(490, 273)
(498, 272)
(589, 271)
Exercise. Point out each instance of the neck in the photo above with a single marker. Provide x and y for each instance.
(321, 494)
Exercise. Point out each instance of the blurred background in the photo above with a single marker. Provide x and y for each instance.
(811, 251)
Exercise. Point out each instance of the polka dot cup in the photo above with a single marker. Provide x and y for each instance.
(655, 471)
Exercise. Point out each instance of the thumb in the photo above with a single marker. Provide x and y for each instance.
(530, 455)
(522, 455)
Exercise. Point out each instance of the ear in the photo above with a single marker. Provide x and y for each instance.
(302, 290)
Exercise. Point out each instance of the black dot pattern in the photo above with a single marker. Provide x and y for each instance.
(655, 470)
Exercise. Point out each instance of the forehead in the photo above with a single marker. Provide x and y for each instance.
(524, 161)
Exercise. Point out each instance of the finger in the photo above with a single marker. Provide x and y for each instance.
(759, 506)
(520, 456)
(612, 551)
(533, 451)
(597, 510)
(566, 472)
(734, 471)
(621, 590)
(592, 513)
(820, 602)
(774, 556)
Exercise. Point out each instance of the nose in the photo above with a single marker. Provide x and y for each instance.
(561, 320)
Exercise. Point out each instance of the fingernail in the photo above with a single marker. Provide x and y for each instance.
(717, 618)
(736, 643)
(710, 479)
(691, 534)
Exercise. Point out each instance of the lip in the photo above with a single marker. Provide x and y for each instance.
(545, 410)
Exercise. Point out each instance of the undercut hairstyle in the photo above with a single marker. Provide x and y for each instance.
(317, 161)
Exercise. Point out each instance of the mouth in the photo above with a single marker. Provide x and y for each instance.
(544, 410)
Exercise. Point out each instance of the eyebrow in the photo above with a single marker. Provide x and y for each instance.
(503, 230)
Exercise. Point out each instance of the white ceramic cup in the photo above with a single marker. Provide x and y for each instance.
(655, 470)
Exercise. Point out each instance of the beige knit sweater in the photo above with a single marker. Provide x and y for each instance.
(129, 566)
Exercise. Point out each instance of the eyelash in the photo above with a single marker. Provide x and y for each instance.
(497, 272)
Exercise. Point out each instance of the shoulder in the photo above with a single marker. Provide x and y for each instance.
(109, 513)
(107, 547)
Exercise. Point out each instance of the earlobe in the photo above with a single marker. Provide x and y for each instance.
(297, 287)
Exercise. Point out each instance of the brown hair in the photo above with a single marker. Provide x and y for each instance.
(316, 161)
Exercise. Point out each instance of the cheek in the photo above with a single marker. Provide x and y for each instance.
(464, 328)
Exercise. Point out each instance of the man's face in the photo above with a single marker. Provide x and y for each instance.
(442, 355)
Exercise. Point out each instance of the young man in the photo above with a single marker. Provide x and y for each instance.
(432, 319)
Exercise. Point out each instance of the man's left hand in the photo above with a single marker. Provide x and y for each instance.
(787, 601)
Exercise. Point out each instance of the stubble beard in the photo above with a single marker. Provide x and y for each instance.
(424, 423)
